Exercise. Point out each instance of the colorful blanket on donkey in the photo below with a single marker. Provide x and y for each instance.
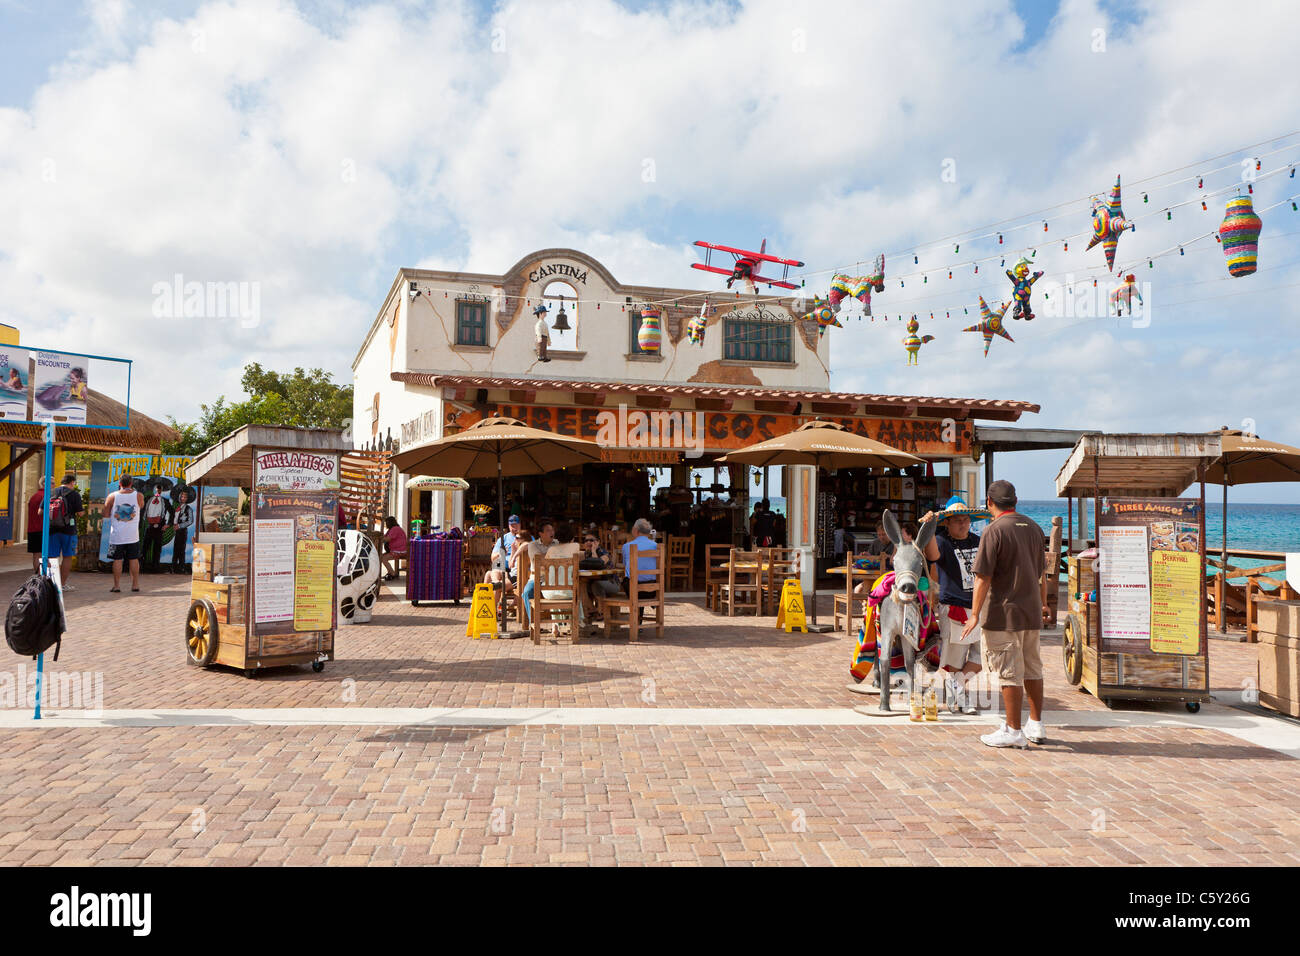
(867, 650)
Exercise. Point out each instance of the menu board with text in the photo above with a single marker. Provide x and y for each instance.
(1151, 576)
(293, 550)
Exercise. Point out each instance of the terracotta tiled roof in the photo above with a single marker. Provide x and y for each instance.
(1002, 409)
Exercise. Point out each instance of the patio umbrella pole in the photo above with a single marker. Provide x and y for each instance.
(1223, 555)
(814, 627)
(501, 515)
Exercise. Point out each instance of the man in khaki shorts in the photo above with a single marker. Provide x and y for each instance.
(1009, 579)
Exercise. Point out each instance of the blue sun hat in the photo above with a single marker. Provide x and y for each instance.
(956, 507)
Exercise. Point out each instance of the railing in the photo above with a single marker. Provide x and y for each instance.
(1235, 603)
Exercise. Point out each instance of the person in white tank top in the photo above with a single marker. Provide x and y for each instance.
(122, 509)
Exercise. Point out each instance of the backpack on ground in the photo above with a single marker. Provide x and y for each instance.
(34, 621)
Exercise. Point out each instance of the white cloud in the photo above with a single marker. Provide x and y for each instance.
(314, 155)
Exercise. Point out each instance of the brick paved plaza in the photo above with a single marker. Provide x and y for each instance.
(725, 742)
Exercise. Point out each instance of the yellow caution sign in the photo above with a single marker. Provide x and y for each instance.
(482, 613)
(791, 615)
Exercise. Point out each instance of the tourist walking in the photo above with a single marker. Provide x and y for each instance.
(122, 509)
(1011, 592)
(65, 505)
(35, 527)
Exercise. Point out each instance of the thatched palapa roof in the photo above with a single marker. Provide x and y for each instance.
(145, 436)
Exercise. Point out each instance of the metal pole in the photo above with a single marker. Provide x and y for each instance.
(45, 549)
(1223, 555)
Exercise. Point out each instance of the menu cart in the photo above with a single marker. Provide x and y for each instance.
(264, 596)
(1136, 627)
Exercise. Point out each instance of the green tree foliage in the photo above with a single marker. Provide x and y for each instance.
(309, 399)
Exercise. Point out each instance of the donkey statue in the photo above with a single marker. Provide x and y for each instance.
(901, 614)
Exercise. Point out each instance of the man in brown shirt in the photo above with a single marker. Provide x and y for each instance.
(1011, 591)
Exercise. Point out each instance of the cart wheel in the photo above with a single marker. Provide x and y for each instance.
(1072, 650)
(250, 672)
(318, 666)
(1193, 706)
(201, 633)
(415, 604)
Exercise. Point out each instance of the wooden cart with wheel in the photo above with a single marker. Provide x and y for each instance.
(1135, 628)
(263, 588)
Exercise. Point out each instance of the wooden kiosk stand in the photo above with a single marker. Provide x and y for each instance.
(1136, 626)
(264, 595)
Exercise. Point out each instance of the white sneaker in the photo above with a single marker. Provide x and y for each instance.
(1034, 732)
(1004, 736)
(969, 706)
(68, 587)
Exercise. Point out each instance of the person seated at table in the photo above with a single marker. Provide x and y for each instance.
(537, 549)
(508, 573)
(882, 546)
(394, 547)
(503, 549)
(642, 542)
(597, 588)
(564, 547)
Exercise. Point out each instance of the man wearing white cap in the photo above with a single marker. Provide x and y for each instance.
(952, 553)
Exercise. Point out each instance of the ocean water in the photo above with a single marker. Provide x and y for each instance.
(1252, 527)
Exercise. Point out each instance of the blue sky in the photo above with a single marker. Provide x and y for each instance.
(314, 148)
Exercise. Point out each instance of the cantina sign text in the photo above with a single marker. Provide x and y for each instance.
(728, 431)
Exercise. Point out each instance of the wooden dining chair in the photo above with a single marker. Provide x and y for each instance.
(478, 559)
(782, 563)
(625, 610)
(558, 578)
(515, 599)
(744, 588)
(681, 561)
(848, 605)
(716, 557)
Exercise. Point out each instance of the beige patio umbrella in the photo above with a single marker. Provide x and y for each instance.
(822, 444)
(497, 446)
(1249, 460)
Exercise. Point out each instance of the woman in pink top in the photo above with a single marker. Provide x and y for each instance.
(394, 547)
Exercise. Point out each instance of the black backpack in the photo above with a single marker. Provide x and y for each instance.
(34, 621)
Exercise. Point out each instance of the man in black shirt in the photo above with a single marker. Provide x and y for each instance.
(63, 524)
(952, 554)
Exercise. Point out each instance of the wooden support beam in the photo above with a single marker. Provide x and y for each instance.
(654, 401)
(17, 463)
(833, 408)
(714, 404)
(774, 407)
(589, 398)
(521, 396)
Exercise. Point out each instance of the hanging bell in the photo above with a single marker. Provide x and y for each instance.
(562, 321)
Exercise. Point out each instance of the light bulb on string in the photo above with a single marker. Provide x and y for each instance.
(1203, 206)
(1150, 264)
(1004, 262)
(925, 280)
(1044, 225)
(956, 249)
(1168, 216)
(1200, 182)
(1144, 198)
(1067, 247)
(977, 268)
(949, 273)
(1250, 187)
(1180, 251)
(1257, 166)
(915, 260)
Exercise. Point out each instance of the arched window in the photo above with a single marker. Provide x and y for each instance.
(561, 298)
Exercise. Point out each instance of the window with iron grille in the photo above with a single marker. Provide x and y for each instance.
(471, 323)
(748, 340)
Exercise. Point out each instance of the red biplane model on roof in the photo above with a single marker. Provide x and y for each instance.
(746, 265)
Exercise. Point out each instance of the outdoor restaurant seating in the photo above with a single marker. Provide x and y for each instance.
(744, 587)
(625, 610)
(478, 559)
(556, 597)
(781, 563)
(848, 606)
(681, 562)
(514, 600)
(716, 557)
